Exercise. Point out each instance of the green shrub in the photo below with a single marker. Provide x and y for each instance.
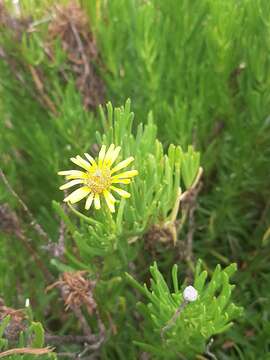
(198, 76)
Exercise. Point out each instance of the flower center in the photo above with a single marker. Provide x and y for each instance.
(99, 179)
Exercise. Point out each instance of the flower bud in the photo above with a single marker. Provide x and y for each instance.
(190, 294)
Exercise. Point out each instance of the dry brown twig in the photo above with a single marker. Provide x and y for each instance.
(172, 321)
(188, 200)
(44, 98)
(71, 26)
(26, 351)
(9, 223)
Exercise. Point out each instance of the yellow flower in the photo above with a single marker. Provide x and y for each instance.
(98, 178)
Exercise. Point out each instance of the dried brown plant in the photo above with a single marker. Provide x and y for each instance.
(76, 290)
(16, 323)
(71, 25)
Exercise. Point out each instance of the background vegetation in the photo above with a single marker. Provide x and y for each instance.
(197, 73)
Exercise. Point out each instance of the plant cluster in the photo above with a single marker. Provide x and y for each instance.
(191, 169)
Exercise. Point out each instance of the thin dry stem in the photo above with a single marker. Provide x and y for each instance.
(26, 351)
(41, 232)
(172, 321)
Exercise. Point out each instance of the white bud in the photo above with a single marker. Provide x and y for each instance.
(190, 294)
(27, 303)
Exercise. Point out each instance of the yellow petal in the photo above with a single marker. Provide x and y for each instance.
(97, 201)
(77, 175)
(78, 195)
(108, 156)
(121, 192)
(122, 164)
(70, 172)
(84, 162)
(71, 183)
(115, 154)
(126, 174)
(90, 159)
(81, 162)
(121, 181)
(101, 155)
(110, 200)
(89, 201)
(109, 195)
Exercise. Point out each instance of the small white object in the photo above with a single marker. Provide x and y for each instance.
(27, 303)
(190, 294)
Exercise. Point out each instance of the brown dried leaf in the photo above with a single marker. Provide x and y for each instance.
(26, 351)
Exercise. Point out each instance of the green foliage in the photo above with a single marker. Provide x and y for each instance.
(107, 243)
(197, 73)
(196, 322)
(189, 63)
(154, 193)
